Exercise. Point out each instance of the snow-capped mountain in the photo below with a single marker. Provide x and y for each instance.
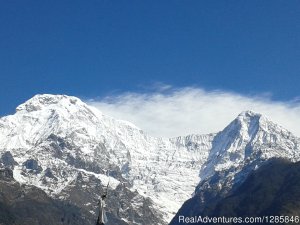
(54, 138)
(72, 150)
(242, 147)
(249, 140)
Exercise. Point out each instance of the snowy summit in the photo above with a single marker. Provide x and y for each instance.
(57, 141)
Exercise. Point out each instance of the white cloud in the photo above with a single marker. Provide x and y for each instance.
(173, 112)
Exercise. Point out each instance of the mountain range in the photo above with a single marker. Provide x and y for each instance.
(69, 152)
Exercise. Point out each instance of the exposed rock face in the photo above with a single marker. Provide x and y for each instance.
(6, 174)
(72, 151)
(23, 205)
(272, 189)
(32, 166)
(7, 160)
(243, 146)
(56, 140)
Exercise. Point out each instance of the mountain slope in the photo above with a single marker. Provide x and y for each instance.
(23, 205)
(72, 151)
(54, 139)
(271, 190)
(243, 146)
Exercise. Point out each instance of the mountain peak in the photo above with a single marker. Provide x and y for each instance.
(247, 117)
(55, 141)
(236, 144)
(248, 123)
(40, 101)
(249, 114)
(65, 136)
(245, 124)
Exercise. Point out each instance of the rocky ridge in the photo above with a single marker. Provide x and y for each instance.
(71, 151)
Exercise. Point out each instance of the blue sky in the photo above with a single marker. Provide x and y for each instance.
(98, 48)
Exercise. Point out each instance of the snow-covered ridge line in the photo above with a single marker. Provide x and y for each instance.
(62, 133)
(55, 137)
(105, 180)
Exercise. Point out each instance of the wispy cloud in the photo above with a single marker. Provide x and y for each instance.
(170, 112)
